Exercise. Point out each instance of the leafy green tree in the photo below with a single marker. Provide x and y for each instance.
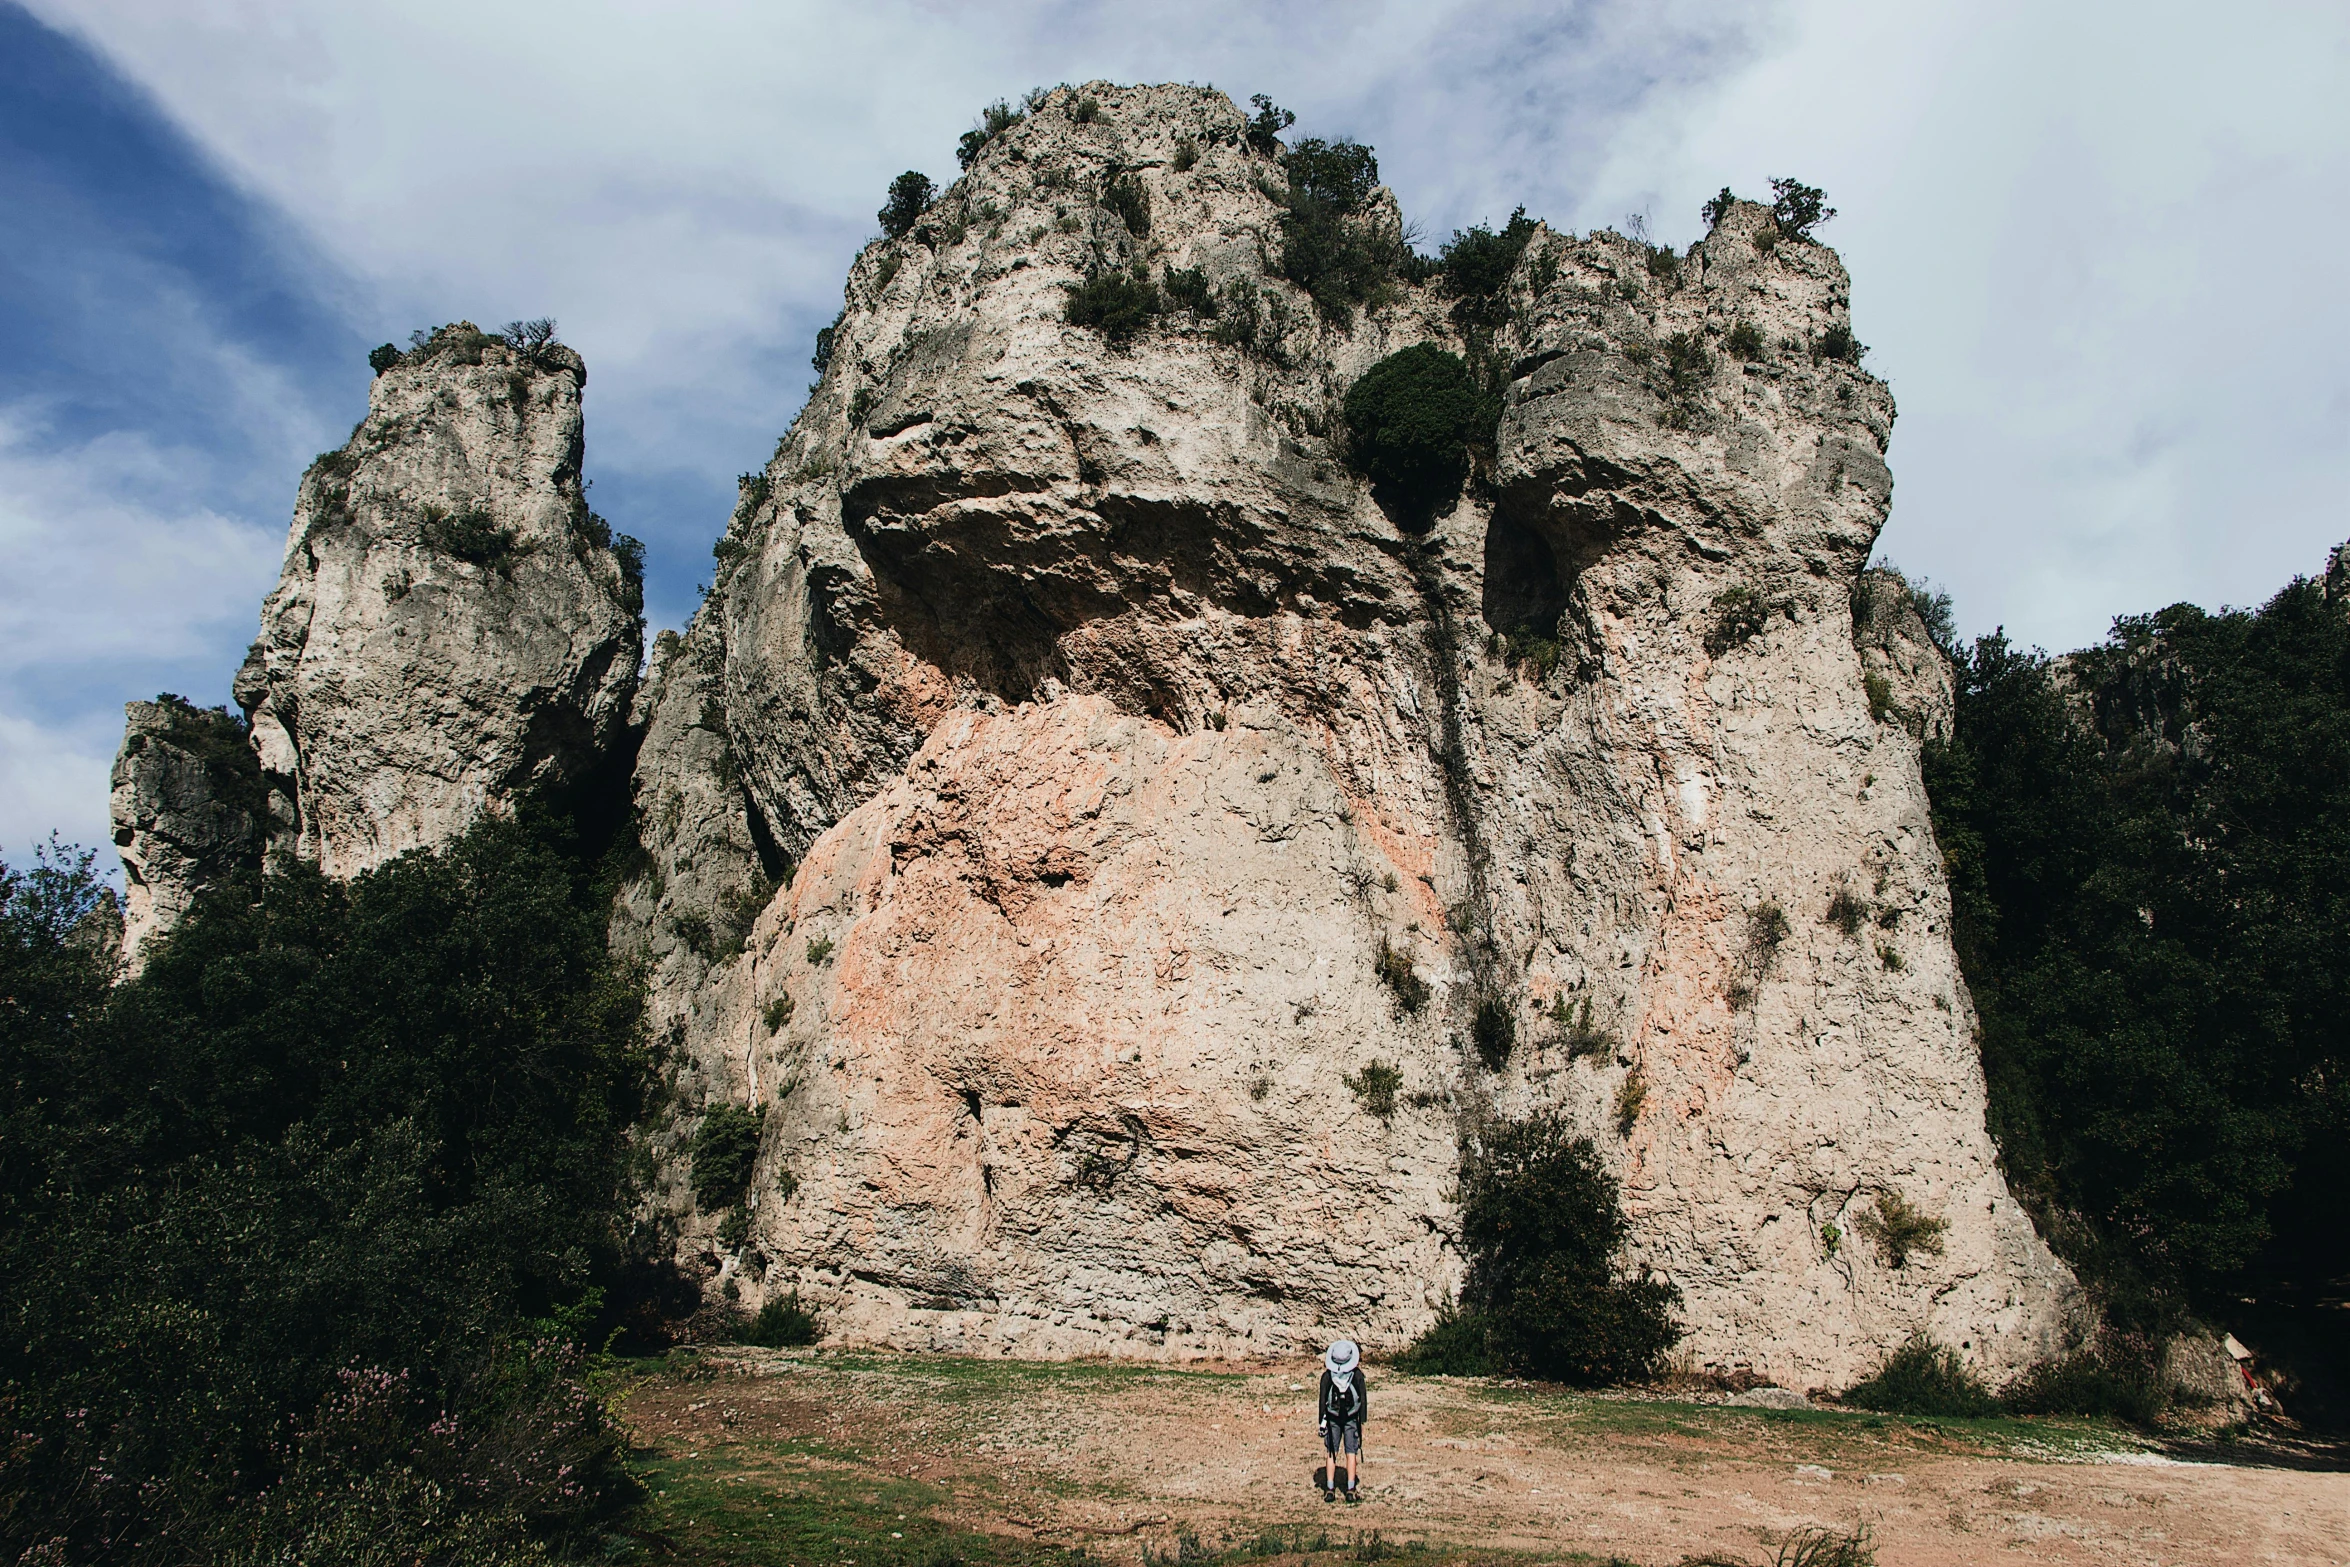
(1544, 1229)
(1326, 248)
(333, 1129)
(2150, 859)
(910, 195)
(1798, 208)
(1476, 264)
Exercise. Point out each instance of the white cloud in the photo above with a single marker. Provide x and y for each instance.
(109, 564)
(54, 777)
(2095, 248)
(117, 585)
(2092, 243)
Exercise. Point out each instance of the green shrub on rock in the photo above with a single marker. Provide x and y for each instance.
(1476, 264)
(910, 195)
(1413, 420)
(725, 1147)
(1543, 1229)
(1116, 304)
(784, 1323)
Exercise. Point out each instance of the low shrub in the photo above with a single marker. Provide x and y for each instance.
(1266, 125)
(1116, 304)
(1529, 646)
(1688, 369)
(1923, 1378)
(1130, 199)
(384, 357)
(910, 195)
(1745, 341)
(1403, 982)
(630, 552)
(1740, 613)
(1543, 1228)
(1186, 154)
(472, 536)
(1325, 250)
(2114, 1380)
(1455, 1344)
(1631, 1099)
(820, 949)
(1577, 1034)
(1664, 264)
(826, 336)
(777, 1013)
(1838, 344)
(1901, 1229)
(784, 1323)
(997, 118)
(1413, 420)
(1879, 690)
(1718, 207)
(1847, 910)
(1189, 290)
(1374, 1088)
(724, 1148)
(1476, 265)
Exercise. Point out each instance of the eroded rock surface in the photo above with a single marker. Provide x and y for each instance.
(452, 628)
(189, 809)
(1107, 732)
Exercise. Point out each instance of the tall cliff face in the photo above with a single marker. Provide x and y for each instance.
(451, 628)
(188, 806)
(1114, 744)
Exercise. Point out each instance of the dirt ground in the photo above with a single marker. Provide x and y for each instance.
(1148, 1462)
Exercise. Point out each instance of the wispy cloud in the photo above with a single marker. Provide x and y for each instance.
(118, 583)
(2091, 247)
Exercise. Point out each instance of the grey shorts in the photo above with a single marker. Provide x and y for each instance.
(1348, 1435)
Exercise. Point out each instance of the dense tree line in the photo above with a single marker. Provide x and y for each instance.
(301, 1230)
(2149, 847)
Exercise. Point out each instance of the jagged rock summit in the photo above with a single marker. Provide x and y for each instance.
(1119, 855)
(452, 627)
(1076, 773)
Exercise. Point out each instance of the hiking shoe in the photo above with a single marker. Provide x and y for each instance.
(1329, 1495)
(1353, 1495)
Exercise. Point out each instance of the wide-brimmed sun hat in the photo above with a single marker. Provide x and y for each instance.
(1342, 1357)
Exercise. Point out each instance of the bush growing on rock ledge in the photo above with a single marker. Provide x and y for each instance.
(1413, 420)
(1116, 304)
(725, 1147)
(909, 197)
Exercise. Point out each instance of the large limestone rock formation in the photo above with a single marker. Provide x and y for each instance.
(1074, 774)
(452, 626)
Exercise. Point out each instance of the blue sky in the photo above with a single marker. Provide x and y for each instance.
(2096, 250)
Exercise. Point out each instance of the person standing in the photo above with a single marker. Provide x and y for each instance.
(1344, 1403)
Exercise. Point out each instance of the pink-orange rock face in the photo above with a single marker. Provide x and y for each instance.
(1106, 732)
(1070, 1071)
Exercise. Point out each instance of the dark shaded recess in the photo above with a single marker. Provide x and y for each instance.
(1522, 585)
(774, 864)
(987, 596)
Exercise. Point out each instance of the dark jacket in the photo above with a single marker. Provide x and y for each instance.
(1326, 1413)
